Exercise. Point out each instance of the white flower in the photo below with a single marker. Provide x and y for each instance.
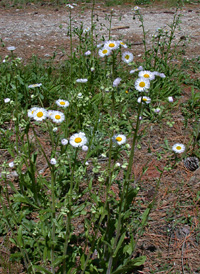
(116, 82)
(117, 165)
(142, 84)
(11, 48)
(31, 112)
(170, 99)
(87, 163)
(39, 114)
(6, 100)
(86, 30)
(145, 99)
(53, 161)
(85, 148)
(79, 95)
(62, 103)
(81, 80)
(64, 142)
(136, 8)
(111, 45)
(11, 164)
(156, 73)
(123, 44)
(134, 70)
(78, 139)
(157, 110)
(87, 53)
(127, 57)
(119, 139)
(99, 45)
(50, 113)
(35, 85)
(104, 52)
(178, 148)
(55, 129)
(69, 6)
(147, 74)
(57, 117)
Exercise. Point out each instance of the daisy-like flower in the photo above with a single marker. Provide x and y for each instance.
(142, 84)
(31, 112)
(147, 74)
(35, 85)
(53, 161)
(62, 103)
(170, 99)
(123, 44)
(178, 148)
(12, 48)
(78, 139)
(39, 114)
(116, 82)
(57, 117)
(64, 142)
(136, 8)
(111, 45)
(81, 80)
(127, 57)
(104, 52)
(7, 100)
(50, 113)
(134, 70)
(144, 99)
(119, 139)
(86, 30)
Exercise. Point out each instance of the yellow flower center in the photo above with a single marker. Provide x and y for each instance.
(126, 91)
(118, 138)
(77, 140)
(62, 103)
(104, 51)
(111, 45)
(178, 147)
(127, 57)
(32, 111)
(40, 114)
(122, 43)
(142, 84)
(144, 99)
(146, 75)
(57, 116)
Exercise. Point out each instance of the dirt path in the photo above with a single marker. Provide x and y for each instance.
(43, 30)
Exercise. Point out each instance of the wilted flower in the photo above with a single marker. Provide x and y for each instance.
(35, 85)
(11, 48)
(178, 148)
(157, 110)
(116, 82)
(31, 112)
(69, 6)
(123, 44)
(87, 53)
(55, 129)
(81, 80)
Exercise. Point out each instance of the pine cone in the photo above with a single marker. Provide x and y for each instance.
(191, 163)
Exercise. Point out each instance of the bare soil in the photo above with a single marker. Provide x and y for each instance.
(171, 238)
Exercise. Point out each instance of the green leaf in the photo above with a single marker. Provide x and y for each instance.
(119, 244)
(130, 265)
(40, 268)
(145, 216)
